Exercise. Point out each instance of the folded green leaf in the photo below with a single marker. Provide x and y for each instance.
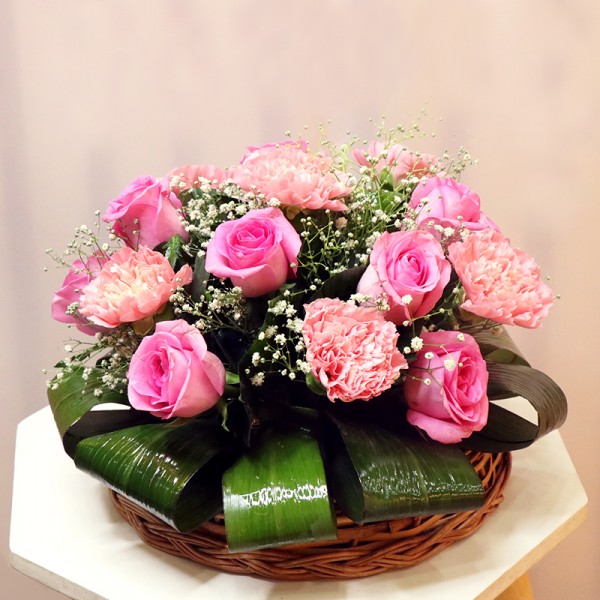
(276, 494)
(497, 346)
(506, 431)
(75, 395)
(172, 469)
(377, 475)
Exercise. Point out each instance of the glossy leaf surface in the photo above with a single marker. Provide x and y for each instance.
(276, 493)
(377, 475)
(75, 396)
(172, 469)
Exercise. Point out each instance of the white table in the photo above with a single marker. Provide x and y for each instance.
(66, 534)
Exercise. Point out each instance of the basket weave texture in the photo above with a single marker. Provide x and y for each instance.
(359, 551)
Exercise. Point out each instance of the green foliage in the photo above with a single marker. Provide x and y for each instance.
(377, 475)
(276, 494)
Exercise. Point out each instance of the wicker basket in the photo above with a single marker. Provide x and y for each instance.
(359, 551)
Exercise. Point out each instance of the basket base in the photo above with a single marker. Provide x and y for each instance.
(359, 551)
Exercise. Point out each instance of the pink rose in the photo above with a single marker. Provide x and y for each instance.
(443, 201)
(291, 174)
(401, 162)
(408, 266)
(79, 275)
(502, 283)
(131, 286)
(172, 374)
(446, 387)
(146, 213)
(189, 176)
(351, 350)
(255, 252)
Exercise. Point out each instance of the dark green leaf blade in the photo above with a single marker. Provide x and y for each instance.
(276, 494)
(497, 346)
(506, 431)
(75, 395)
(172, 469)
(376, 475)
(341, 285)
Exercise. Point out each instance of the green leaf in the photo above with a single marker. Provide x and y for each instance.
(172, 469)
(314, 385)
(342, 285)
(376, 475)
(506, 431)
(249, 414)
(173, 249)
(497, 346)
(200, 279)
(276, 494)
(74, 396)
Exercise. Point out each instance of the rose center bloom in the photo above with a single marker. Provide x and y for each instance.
(257, 252)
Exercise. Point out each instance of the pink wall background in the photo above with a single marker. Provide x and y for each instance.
(94, 93)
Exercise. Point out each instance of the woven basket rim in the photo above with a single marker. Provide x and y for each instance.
(359, 551)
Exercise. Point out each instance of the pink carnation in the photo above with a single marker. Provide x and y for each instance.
(400, 161)
(291, 174)
(502, 283)
(131, 286)
(351, 350)
(189, 176)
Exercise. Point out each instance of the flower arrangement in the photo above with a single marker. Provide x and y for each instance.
(306, 326)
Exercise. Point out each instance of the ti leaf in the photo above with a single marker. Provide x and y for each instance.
(377, 475)
(276, 494)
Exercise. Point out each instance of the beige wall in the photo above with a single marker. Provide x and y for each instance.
(97, 92)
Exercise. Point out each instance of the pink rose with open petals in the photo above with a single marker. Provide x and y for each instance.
(446, 202)
(189, 176)
(146, 213)
(257, 252)
(131, 286)
(398, 160)
(351, 350)
(410, 268)
(446, 387)
(288, 172)
(79, 275)
(502, 283)
(172, 374)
